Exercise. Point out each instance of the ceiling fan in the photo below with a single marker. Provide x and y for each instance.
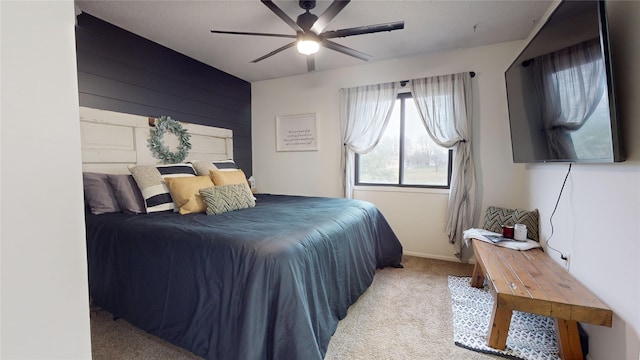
(310, 34)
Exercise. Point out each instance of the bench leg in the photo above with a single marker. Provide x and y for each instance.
(477, 278)
(500, 321)
(568, 339)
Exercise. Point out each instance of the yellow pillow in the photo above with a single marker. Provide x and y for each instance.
(185, 193)
(228, 177)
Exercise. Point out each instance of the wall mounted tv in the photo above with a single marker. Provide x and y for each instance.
(560, 90)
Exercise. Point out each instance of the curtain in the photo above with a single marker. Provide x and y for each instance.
(569, 84)
(445, 106)
(364, 114)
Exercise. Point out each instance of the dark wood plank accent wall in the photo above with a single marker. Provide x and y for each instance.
(121, 71)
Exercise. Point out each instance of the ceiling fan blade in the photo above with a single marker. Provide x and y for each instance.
(311, 63)
(367, 29)
(252, 33)
(328, 15)
(274, 52)
(281, 14)
(345, 50)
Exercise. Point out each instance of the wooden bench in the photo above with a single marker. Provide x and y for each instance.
(530, 281)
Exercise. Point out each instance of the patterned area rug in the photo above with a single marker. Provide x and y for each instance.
(531, 337)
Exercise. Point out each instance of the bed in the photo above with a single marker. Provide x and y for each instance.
(266, 282)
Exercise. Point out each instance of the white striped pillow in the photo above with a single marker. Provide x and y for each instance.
(150, 180)
(203, 167)
(225, 165)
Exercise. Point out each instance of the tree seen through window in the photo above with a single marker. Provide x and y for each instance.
(405, 155)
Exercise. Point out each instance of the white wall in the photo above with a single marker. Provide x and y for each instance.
(598, 218)
(44, 300)
(417, 216)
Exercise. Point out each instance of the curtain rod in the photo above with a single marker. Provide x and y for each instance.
(404, 82)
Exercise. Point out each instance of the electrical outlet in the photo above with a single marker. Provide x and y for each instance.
(566, 261)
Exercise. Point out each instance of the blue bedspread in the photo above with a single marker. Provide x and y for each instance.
(269, 282)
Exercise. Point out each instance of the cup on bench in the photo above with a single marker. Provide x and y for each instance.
(507, 231)
(520, 232)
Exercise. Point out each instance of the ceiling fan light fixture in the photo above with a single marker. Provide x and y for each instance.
(311, 34)
(308, 46)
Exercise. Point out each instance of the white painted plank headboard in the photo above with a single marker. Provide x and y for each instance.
(111, 141)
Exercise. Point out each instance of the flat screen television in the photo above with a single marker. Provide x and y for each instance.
(560, 90)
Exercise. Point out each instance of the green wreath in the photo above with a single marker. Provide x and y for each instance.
(160, 150)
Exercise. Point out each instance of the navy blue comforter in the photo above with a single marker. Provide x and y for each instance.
(269, 282)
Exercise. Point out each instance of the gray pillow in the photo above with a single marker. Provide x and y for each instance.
(98, 193)
(127, 193)
(224, 198)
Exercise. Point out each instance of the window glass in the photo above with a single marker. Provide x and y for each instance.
(425, 162)
(406, 155)
(381, 165)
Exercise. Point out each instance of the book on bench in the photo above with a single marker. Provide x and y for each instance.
(498, 238)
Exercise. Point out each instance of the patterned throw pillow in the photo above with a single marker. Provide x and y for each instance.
(495, 217)
(224, 198)
(150, 180)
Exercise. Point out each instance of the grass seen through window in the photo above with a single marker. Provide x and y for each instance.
(405, 155)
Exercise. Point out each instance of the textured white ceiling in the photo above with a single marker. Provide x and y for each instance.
(430, 26)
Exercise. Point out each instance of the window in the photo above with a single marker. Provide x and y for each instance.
(406, 155)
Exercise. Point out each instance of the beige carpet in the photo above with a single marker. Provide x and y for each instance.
(404, 315)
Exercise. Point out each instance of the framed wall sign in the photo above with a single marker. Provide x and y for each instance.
(296, 133)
